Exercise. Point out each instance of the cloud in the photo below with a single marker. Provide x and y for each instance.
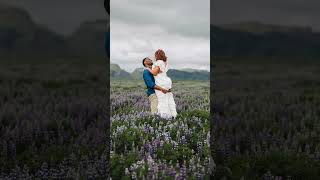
(180, 28)
(188, 17)
(284, 12)
(62, 16)
(65, 16)
(131, 43)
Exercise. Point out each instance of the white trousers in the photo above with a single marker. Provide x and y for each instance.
(166, 105)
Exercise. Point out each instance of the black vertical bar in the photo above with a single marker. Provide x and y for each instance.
(107, 105)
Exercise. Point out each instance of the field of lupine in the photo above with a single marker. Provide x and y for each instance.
(144, 146)
(266, 115)
(51, 118)
(266, 119)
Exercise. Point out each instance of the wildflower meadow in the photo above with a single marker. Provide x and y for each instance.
(144, 146)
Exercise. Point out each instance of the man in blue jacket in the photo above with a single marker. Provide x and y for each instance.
(151, 86)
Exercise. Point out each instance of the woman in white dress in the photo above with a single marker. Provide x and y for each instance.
(166, 104)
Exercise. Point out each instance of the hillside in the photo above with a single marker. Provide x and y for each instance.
(192, 70)
(188, 75)
(117, 73)
(257, 27)
(192, 74)
(88, 39)
(20, 35)
(137, 73)
(239, 43)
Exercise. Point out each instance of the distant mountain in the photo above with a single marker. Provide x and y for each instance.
(188, 75)
(137, 73)
(192, 70)
(117, 73)
(174, 74)
(257, 27)
(20, 35)
(88, 39)
(226, 42)
(183, 74)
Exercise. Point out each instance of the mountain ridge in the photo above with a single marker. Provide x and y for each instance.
(243, 44)
(117, 73)
(21, 36)
(258, 27)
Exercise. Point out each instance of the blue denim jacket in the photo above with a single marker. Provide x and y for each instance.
(150, 82)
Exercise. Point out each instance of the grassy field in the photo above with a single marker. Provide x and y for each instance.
(265, 122)
(144, 146)
(52, 122)
(266, 118)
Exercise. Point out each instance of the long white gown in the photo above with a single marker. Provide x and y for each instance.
(166, 104)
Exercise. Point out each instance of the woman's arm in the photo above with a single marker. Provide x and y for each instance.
(154, 71)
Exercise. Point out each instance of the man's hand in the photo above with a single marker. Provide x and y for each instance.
(164, 91)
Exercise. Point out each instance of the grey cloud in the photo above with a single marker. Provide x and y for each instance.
(181, 28)
(187, 17)
(63, 16)
(131, 43)
(285, 12)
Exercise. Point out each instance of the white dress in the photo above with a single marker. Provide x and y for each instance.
(166, 104)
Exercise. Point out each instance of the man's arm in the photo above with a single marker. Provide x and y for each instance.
(160, 89)
(151, 84)
(148, 80)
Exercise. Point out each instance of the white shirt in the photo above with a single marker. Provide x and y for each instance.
(162, 79)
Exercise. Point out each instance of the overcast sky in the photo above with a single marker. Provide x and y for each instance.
(62, 16)
(65, 15)
(180, 21)
(283, 12)
(181, 28)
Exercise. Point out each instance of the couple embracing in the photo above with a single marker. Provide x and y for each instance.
(159, 86)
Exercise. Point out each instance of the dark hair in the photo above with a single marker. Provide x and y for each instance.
(144, 60)
(160, 55)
